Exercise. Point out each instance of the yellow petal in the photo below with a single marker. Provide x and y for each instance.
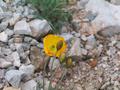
(52, 43)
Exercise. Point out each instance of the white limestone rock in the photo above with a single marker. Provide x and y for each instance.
(22, 27)
(14, 77)
(107, 14)
(39, 27)
(76, 48)
(14, 19)
(4, 63)
(27, 69)
(3, 37)
(30, 85)
(16, 59)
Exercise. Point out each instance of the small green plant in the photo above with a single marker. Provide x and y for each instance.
(53, 11)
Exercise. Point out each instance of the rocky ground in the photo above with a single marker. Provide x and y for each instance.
(93, 37)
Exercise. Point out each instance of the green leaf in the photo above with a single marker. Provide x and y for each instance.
(53, 11)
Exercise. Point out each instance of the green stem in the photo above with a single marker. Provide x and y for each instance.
(44, 69)
(51, 73)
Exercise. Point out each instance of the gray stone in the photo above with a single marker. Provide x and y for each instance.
(34, 42)
(67, 36)
(111, 51)
(16, 59)
(3, 26)
(22, 27)
(73, 32)
(5, 15)
(81, 4)
(20, 9)
(1, 86)
(116, 88)
(84, 51)
(11, 88)
(27, 39)
(91, 42)
(3, 37)
(113, 42)
(76, 48)
(2, 4)
(4, 63)
(118, 45)
(20, 49)
(14, 19)
(46, 82)
(14, 77)
(39, 27)
(83, 37)
(1, 10)
(108, 14)
(26, 11)
(17, 2)
(77, 35)
(6, 51)
(11, 41)
(27, 69)
(91, 16)
(12, 47)
(116, 2)
(27, 61)
(105, 85)
(18, 46)
(116, 83)
(9, 58)
(1, 54)
(9, 32)
(30, 85)
(23, 56)
(109, 31)
(26, 46)
(2, 73)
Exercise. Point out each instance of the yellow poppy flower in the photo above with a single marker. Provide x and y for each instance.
(54, 45)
